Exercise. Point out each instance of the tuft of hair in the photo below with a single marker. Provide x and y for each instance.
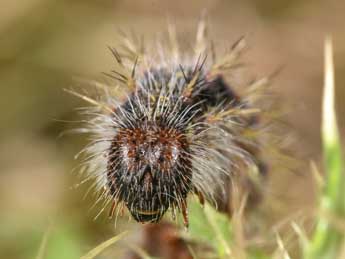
(172, 125)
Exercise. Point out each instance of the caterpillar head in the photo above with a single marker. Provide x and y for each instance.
(149, 170)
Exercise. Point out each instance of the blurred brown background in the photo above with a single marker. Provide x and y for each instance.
(44, 44)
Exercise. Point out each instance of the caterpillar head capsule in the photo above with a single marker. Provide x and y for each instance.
(149, 169)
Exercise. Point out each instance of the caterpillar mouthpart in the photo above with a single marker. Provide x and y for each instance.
(147, 215)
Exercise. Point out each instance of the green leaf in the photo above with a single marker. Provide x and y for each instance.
(327, 239)
(212, 227)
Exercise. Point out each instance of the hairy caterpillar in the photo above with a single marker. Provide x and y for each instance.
(178, 127)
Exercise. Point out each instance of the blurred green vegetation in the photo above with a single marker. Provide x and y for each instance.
(45, 45)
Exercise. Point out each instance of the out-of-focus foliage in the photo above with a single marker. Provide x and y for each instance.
(48, 45)
(329, 238)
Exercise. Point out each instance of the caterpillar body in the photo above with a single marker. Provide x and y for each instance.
(179, 128)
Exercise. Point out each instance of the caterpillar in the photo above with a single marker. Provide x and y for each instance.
(170, 125)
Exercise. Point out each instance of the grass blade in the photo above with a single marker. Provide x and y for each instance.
(97, 250)
(327, 239)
